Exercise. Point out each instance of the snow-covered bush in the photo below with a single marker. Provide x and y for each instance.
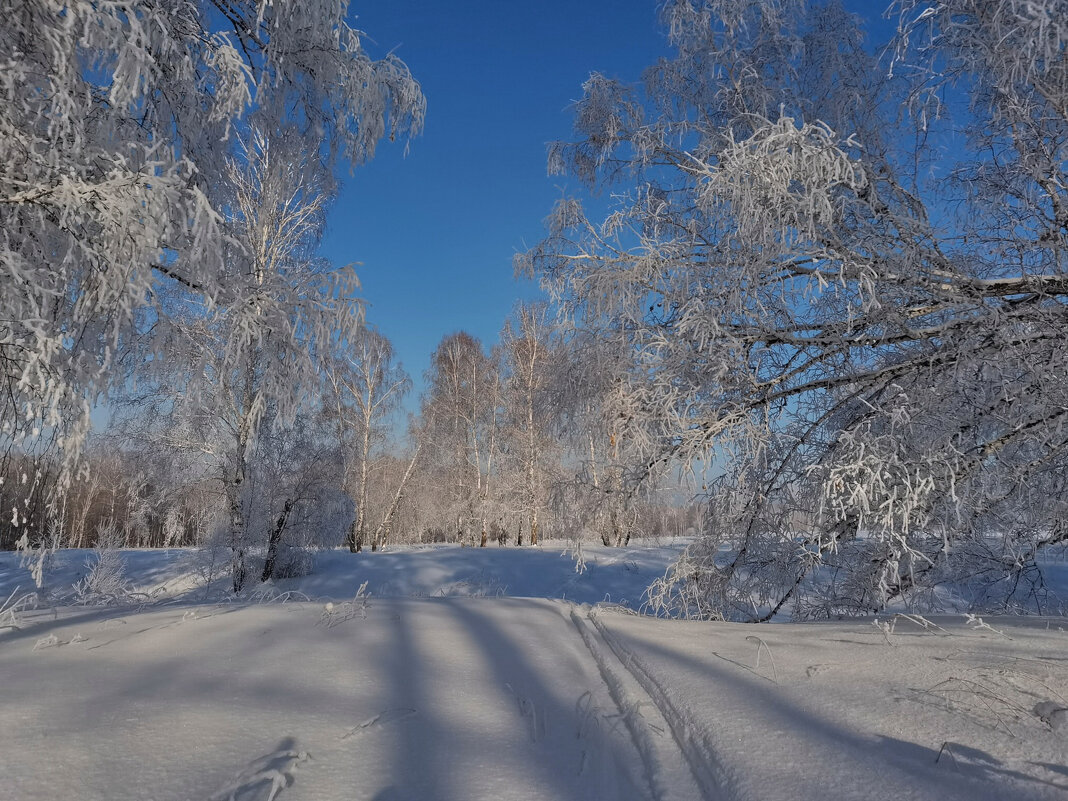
(211, 560)
(106, 581)
(294, 561)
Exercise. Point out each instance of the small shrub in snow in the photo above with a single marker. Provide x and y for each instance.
(339, 613)
(106, 581)
(211, 561)
(294, 562)
(11, 606)
(484, 585)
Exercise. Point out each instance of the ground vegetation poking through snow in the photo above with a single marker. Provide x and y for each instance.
(319, 688)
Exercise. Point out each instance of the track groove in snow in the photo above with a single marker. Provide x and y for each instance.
(458, 699)
(668, 763)
(691, 743)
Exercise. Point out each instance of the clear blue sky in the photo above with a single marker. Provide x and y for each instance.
(434, 232)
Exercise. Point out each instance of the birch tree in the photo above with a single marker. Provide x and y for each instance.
(854, 312)
(258, 355)
(461, 410)
(528, 352)
(367, 388)
(116, 123)
(295, 496)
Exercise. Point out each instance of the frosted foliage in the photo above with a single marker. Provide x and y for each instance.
(116, 124)
(853, 314)
(367, 386)
(105, 580)
(254, 365)
(782, 181)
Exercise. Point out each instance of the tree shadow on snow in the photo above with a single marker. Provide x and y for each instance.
(912, 767)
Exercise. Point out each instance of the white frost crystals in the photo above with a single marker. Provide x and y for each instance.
(116, 124)
(854, 316)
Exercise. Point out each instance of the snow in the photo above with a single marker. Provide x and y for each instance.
(616, 575)
(465, 674)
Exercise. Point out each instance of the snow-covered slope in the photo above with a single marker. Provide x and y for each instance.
(616, 575)
(457, 698)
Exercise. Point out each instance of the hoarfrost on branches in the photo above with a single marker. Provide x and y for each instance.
(116, 125)
(855, 314)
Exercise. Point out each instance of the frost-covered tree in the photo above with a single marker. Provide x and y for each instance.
(532, 451)
(256, 357)
(368, 386)
(116, 124)
(295, 496)
(461, 413)
(841, 280)
(595, 409)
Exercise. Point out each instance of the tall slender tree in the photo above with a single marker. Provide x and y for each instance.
(462, 405)
(529, 353)
(368, 387)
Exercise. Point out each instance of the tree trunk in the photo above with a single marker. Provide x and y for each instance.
(238, 566)
(617, 529)
(238, 569)
(274, 539)
(519, 535)
(532, 456)
(360, 524)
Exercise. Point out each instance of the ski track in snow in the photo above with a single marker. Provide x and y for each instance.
(519, 699)
(692, 745)
(668, 769)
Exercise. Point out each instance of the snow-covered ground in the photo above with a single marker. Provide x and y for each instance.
(465, 675)
(613, 575)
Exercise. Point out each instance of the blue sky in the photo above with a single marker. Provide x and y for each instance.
(434, 232)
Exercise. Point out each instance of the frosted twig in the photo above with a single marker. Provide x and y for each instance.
(10, 608)
(978, 624)
(334, 614)
(761, 644)
(921, 621)
(386, 716)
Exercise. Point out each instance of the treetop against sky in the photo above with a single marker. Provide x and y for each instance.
(434, 230)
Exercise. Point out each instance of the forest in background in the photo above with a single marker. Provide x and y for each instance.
(822, 326)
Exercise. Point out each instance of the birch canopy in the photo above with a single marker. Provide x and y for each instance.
(116, 125)
(841, 272)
